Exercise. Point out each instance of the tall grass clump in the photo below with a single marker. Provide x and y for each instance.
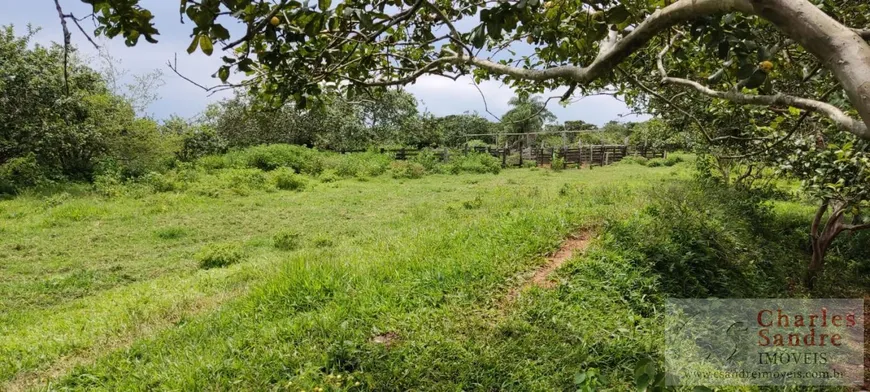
(219, 255)
(707, 240)
(286, 240)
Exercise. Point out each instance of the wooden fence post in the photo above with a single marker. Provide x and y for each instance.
(521, 153)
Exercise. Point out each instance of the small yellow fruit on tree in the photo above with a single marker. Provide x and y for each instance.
(530, 40)
(765, 66)
(275, 21)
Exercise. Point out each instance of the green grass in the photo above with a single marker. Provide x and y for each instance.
(392, 284)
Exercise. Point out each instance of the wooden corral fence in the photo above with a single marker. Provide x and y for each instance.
(595, 155)
(591, 155)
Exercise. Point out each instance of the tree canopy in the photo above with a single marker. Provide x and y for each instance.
(728, 50)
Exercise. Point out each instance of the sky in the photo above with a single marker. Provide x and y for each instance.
(438, 95)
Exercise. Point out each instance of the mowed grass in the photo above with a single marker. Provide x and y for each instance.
(395, 284)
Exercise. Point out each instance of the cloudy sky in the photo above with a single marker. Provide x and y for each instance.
(438, 95)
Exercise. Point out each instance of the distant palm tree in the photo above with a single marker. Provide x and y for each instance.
(528, 115)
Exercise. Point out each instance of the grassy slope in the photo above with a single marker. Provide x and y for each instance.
(83, 276)
(424, 264)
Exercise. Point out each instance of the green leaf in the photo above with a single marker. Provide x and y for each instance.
(617, 14)
(220, 32)
(724, 49)
(324, 4)
(478, 37)
(205, 45)
(224, 73)
(193, 45)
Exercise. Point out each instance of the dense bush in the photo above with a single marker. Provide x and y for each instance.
(706, 240)
(557, 164)
(68, 125)
(270, 157)
(160, 182)
(634, 160)
(429, 158)
(473, 163)
(285, 179)
(197, 142)
(213, 162)
(19, 173)
(219, 255)
(407, 169)
(366, 164)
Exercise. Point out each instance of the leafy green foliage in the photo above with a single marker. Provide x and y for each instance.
(691, 237)
(19, 173)
(285, 179)
(69, 133)
(197, 140)
(473, 163)
(271, 157)
(557, 163)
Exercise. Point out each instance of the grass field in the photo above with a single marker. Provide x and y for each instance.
(379, 284)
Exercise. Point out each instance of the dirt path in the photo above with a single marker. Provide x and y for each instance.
(574, 244)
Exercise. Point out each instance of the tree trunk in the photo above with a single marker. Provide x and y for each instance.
(817, 262)
(822, 237)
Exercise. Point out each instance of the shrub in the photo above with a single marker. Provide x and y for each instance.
(199, 142)
(655, 162)
(557, 164)
(270, 157)
(329, 175)
(286, 179)
(240, 179)
(109, 184)
(19, 173)
(705, 241)
(429, 159)
(673, 160)
(160, 182)
(366, 164)
(212, 162)
(219, 255)
(474, 163)
(405, 169)
(286, 240)
(634, 160)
